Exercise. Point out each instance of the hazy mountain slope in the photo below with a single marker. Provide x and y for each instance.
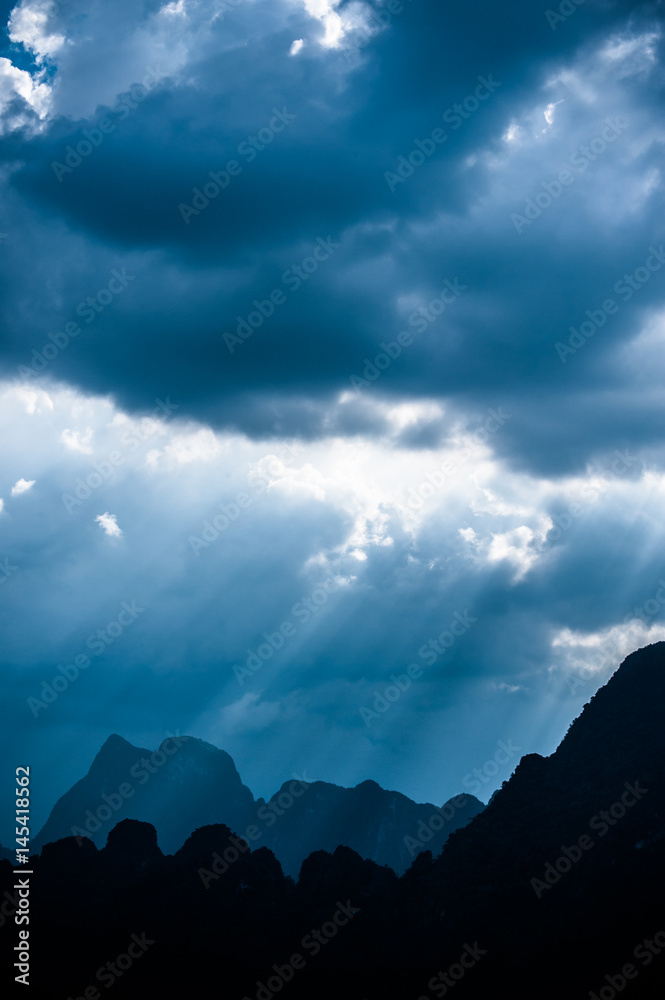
(385, 826)
(187, 784)
(184, 784)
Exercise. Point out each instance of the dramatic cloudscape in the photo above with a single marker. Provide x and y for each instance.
(333, 346)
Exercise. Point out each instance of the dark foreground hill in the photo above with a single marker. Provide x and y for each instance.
(554, 891)
(187, 783)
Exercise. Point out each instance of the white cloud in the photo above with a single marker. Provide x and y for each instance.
(296, 46)
(22, 486)
(176, 9)
(511, 133)
(29, 26)
(200, 445)
(250, 714)
(165, 39)
(109, 525)
(305, 481)
(636, 53)
(582, 657)
(15, 82)
(508, 688)
(34, 400)
(324, 11)
(78, 440)
(515, 547)
(549, 111)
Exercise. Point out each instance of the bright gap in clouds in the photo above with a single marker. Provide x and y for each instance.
(456, 501)
(500, 516)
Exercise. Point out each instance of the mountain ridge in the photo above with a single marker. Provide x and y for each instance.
(187, 783)
(553, 890)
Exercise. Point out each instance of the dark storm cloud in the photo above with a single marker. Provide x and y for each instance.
(323, 177)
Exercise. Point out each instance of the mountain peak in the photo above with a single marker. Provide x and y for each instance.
(369, 785)
(188, 783)
(115, 752)
(113, 743)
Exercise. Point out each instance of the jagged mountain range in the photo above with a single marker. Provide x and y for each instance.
(554, 890)
(187, 783)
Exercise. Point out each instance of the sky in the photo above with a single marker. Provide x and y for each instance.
(331, 364)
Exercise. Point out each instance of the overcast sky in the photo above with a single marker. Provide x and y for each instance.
(338, 328)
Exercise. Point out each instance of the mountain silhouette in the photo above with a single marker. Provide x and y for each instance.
(187, 783)
(383, 826)
(554, 890)
(183, 784)
(573, 845)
